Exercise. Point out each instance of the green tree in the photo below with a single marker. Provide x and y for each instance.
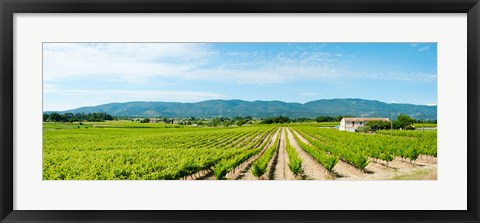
(227, 123)
(45, 117)
(278, 119)
(215, 122)
(405, 121)
(240, 122)
(55, 117)
(378, 125)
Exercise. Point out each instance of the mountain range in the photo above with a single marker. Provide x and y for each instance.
(262, 109)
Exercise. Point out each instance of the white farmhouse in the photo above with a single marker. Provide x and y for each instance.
(350, 124)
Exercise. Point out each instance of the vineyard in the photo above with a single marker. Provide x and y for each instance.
(150, 151)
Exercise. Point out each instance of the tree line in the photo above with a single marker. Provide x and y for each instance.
(77, 117)
(403, 122)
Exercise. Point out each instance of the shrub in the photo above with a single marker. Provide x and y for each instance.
(364, 129)
(378, 125)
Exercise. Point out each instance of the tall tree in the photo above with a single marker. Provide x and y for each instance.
(45, 117)
(405, 121)
(55, 117)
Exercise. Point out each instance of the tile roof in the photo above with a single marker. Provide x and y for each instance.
(365, 119)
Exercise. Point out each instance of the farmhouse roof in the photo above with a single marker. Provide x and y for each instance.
(365, 119)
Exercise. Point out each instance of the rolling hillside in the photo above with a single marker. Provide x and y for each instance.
(261, 109)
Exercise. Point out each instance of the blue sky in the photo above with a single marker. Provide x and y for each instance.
(87, 74)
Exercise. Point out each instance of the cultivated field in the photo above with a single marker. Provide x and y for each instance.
(120, 150)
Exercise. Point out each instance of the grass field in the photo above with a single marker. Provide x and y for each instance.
(417, 125)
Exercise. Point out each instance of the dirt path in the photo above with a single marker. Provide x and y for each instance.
(426, 159)
(346, 171)
(246, 173)
(399, 163)
(282, 172)
(380, 171)
(399, 169)
(200, 175)
(377, 165)
(311, 168)
(271, 164)
(421, 173)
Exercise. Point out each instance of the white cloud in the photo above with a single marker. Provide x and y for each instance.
(265, 75)
(148, 95)
(423, 48)
(132, 62)
(139, 63)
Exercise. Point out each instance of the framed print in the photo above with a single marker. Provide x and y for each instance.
(246, 111)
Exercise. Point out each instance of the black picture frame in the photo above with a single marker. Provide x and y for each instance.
(9, 7)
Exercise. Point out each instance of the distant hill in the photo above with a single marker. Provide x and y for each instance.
(261, 109)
